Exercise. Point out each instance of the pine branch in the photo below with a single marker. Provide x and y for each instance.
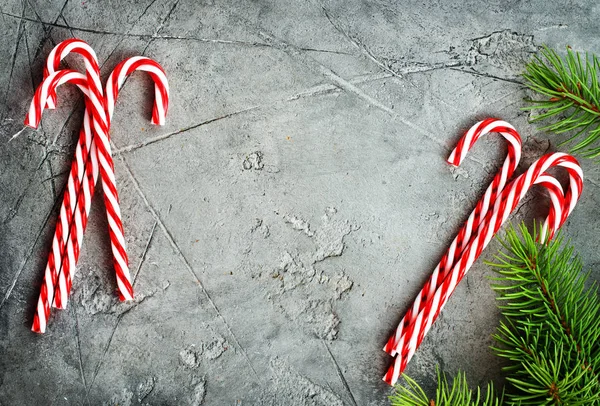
(549, 333)
(551, 323)
(571, 94)
(455, 394)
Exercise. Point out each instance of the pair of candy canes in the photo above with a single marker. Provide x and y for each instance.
(92, 157)
(497, 203)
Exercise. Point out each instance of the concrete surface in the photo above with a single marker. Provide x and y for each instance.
(291, 208)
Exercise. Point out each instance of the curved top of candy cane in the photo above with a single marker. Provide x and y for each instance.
(90, 59)
(517, 189)
(483, 127)
(161, 85)
(47, 87)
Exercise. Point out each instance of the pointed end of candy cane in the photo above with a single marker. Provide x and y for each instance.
(126, 298)
(30, 123)
(389, 376)
(452, 159)
(60, 302)
(37, 327)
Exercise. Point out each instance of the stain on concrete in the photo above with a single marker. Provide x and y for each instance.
(123, 398)
(505, 50)
(254, 161)
(198, 391)
(190, 356)
(145, 387)
(297, 286)
(215, 348)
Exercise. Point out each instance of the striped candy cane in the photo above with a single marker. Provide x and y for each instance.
(85, 155)
(504, 205)
(457, 156)
(56, 257)
(115, 81)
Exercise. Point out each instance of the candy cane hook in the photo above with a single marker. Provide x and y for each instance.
(90, 60)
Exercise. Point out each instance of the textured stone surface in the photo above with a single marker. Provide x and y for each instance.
(290, 209)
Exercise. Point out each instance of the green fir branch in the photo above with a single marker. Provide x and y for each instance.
(571, 94)
(457, 393)
(549, 333)
(551, 323)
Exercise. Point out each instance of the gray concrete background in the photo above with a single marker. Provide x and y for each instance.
(291, 208)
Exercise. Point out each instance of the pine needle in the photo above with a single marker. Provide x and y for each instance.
(571, 95)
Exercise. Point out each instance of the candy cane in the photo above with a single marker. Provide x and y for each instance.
(161, 101)
(85, 164)
(84, 171)
(56, 259)
(459, 153)
(504, 205)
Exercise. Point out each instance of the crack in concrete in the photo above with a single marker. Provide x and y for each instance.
(474, 72)
(78, 345)
(143, 258)
(150, 141)
(20, 31)
(128, 34)
(340, 374)
(313, 91)
(109, 342)
(47, 32)
(311, 63)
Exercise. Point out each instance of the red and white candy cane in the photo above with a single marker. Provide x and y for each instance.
(57, 262)
(504, 205)
(161, 102)
(87, 176)
(457, 156)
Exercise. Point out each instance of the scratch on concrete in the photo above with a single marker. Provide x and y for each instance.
(78, 345)
(304, 293)
(20, 31)
(340, 374)
(310, 92)
(150, 141)
(143, 257)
